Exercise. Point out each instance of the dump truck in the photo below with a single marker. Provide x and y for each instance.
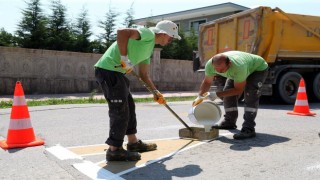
(289, 43)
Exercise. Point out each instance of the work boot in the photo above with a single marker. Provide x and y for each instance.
(140, 146)
(224, 125)
(244, 134)
(122, 155)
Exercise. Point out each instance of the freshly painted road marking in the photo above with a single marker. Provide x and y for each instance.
(95, 172)
(62, 153)
(226, 134)
(166, 148)
(314, 168)
(113, 170)
(159, 159)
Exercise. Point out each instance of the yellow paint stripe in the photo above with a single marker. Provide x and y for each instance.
(113, 170)
(89, 149)
(165, 147)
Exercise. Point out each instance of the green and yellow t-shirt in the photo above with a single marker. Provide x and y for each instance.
(139, 51)
(242, 65)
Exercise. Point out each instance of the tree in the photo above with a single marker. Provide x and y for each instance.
(192, 40)
(150, 23)
(128, 20)
(59, 30)
(82, 32)
(178, 49)
(6, 39)
(97, 47)
(31, 32)
(109, 25)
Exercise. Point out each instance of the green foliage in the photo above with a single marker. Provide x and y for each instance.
(109, 25)
(96, 46)
(128, 20)
(192, 40)
(56, 32)
(31, 31)
(92, 94)
(82, 32)
(181, 49)
(6, 39)
(150, 23)
(59, 34)
(5, 104)
(90, 100)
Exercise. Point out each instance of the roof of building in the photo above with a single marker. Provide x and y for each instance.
(194, 13)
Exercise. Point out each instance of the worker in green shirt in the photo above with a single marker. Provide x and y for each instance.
(246, 73)
(133, 47)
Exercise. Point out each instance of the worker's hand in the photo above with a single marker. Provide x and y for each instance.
(126, 64)
(208, 95)
(198, 100)
(158, 97)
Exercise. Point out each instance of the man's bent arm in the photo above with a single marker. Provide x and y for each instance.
(237, 90)
(205, 85)
(123, 36)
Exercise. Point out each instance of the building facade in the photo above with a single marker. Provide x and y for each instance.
(189, 20)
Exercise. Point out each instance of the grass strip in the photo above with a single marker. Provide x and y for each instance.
(59, 101)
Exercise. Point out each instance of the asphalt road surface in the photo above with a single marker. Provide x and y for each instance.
(286, 146)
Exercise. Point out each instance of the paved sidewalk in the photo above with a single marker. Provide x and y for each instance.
(99, 95)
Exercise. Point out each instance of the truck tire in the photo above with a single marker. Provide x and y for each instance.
(288, 85)
(316, 87)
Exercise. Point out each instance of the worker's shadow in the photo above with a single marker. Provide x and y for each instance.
(158, 170)
(261, 140)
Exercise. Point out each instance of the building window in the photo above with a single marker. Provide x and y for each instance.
(195, 24)
(178, 24)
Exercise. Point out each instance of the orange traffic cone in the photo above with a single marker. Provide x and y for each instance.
(20, 133)
(301, 106)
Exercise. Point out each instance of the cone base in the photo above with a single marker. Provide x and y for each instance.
(302, 114)
(5, 145)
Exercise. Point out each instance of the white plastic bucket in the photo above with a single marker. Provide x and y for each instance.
(206, 113)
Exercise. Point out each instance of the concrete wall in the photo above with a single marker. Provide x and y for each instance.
(55, 72)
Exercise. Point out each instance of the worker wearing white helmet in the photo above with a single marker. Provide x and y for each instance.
(134, 47)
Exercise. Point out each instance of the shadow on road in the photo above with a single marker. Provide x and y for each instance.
(160, 171)
(261, 140)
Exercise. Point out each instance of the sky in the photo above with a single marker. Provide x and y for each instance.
(11, 10)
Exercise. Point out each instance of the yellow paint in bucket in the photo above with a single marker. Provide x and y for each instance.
(206, 113)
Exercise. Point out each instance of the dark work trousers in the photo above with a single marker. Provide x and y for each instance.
(116, 89)
(252, 93)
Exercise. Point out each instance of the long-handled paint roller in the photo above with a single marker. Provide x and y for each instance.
(195, 132)
(165, 105)
(188, 132)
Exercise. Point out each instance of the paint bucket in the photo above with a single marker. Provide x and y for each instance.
(206, 113)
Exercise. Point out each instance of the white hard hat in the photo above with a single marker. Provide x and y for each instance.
(168, 27)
